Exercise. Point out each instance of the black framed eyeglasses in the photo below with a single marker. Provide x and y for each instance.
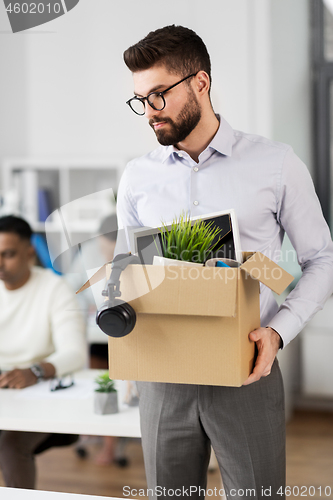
(155, 100)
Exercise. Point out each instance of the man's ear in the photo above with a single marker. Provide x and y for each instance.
(202, 82)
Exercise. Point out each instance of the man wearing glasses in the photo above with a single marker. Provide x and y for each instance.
(204, 166)
(41, 337)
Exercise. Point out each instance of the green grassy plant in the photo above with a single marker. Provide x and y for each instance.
(187, 242)
(105, 384)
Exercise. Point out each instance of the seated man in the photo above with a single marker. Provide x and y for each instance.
(41, 336)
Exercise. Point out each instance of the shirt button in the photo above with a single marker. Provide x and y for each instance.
(195, 169)
(180, 155)
(195, 203)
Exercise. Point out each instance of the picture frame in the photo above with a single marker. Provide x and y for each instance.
(145, 241)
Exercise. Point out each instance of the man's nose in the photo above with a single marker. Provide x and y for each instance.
(150, 112)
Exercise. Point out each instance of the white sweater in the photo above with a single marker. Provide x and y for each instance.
(41, 321)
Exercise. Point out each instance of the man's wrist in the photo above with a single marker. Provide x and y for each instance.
(38, 371)
(280, 338)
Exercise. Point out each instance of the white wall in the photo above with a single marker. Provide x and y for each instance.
(13, 92)
(65, 85)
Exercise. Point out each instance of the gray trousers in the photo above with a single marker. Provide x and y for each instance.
(17, 461)
(245, 426)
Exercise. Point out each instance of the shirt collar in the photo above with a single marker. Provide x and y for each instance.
(222, 141)
(224, 138)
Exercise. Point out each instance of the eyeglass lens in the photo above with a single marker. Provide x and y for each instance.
(155, 100)
(137, 106)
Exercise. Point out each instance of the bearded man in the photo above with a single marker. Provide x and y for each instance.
(204, 166)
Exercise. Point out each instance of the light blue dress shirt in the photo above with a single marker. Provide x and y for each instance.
(270, 190)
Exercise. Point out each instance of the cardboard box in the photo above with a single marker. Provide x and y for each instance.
(192, 323)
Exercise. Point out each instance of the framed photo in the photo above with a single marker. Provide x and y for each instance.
(146, 242)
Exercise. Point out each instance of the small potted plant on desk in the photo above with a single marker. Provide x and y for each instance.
(187, 243)
(106, 396)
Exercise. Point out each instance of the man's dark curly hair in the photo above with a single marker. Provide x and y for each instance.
(180, 49)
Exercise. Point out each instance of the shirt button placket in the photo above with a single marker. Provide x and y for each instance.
(194, 185)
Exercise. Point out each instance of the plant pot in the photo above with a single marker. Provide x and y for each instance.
(164, 261)
(105, 402)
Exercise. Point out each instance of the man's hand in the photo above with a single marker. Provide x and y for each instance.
(268, 343)
(18, 379)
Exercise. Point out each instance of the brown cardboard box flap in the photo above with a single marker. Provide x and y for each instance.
(263, 269)
(180, 290)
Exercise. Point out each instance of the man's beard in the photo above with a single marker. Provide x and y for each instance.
(185, 123)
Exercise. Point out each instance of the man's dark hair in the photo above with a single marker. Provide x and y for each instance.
(16, 225)
(180, 49)
(109, 227)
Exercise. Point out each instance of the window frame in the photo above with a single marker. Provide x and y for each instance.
(322, 79)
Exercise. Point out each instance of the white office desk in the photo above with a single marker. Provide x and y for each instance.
(69, 411)
(20, 494)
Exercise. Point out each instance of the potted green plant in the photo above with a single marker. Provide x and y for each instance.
(106, 396)
(186, 241)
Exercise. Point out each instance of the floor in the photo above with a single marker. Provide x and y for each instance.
(309, 464)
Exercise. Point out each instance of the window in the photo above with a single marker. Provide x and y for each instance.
(322, 55)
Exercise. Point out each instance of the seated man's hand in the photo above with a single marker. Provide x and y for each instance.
(18, 379)
(268, 343)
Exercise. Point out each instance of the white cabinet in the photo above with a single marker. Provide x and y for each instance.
(78, 193)
(62, 181)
